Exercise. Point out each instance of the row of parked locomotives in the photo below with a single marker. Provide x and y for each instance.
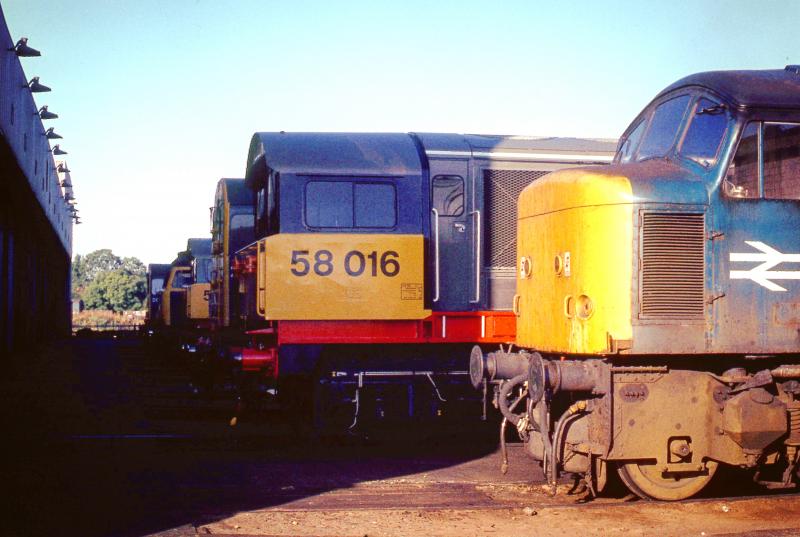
(352, 273)
(658, 316)
(178, 293)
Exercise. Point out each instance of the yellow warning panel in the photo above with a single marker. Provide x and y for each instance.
(327, 276)
(197, 305)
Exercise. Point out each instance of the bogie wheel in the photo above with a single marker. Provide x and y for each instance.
(647, 481)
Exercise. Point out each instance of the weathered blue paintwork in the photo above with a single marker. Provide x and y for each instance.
(742, 315)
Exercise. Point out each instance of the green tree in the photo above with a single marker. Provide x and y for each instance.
(99, 261)
(132, 265)
(106, 282)
(77, 276)
(116, 290)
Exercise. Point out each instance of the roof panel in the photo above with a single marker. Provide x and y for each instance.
(237, 192)
(334, 153)
(758, 89)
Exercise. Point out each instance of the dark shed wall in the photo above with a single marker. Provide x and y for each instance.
(35, 226)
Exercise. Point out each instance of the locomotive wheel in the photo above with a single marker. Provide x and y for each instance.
(647, 481)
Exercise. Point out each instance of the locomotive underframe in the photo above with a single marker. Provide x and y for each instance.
(664, 423)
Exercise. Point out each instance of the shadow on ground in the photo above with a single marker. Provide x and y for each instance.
(103, 441)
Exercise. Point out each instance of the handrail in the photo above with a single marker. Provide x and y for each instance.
(477, 228)
(436, 253)
(261, 276)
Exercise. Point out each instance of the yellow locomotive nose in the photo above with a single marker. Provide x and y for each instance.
(575, 230)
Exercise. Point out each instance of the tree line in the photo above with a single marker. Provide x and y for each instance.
(104, 281)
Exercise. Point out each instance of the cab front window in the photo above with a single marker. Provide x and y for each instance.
(705, 133)
(183, 278)
(663, 129)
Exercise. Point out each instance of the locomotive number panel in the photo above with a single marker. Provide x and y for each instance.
(342, 276)
(355, 263)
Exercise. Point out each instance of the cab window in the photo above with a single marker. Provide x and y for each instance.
(156, 285)
(766, 163)
(705, 133)
(267, 206)
(374, 205)
(349, 205)
(741, 179)
(448, 195)
(625, 152)
(781, 154)
(183, 278)
(329, 204)
(202, 270)
(663, 128)
(241, 231)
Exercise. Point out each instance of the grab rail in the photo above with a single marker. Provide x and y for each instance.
(477, 228)
(261, 278)
(436, 253)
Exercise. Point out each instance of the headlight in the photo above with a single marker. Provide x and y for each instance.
(585, 307)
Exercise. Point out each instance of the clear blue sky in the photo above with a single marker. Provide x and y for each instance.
(158, 98)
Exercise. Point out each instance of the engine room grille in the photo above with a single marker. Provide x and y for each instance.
(673, 266)
(502, 189)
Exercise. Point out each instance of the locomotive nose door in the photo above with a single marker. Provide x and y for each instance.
(453, 235)
(758, 258)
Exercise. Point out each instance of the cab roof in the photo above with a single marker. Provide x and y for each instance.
(199, 247)
(237, 192)
(778, 88)
(332, 153)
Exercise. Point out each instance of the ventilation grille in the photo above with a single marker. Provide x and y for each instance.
(673, 266)
(502, 189)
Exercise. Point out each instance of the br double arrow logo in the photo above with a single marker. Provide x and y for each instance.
(769, 258)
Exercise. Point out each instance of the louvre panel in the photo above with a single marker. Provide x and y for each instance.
(673, 266)
(501, 190)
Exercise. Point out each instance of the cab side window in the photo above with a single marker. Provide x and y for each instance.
(329, 204)
(781, 150)
(448, 195)
(741, 180)
(766, 163)
(350, 205)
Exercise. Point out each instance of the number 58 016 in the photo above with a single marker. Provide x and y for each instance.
(354, 263)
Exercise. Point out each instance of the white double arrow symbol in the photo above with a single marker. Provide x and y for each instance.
(761, 274)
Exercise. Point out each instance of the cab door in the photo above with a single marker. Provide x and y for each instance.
(757, 289)
(454, 236)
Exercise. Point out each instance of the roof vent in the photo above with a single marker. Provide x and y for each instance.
(793, 69)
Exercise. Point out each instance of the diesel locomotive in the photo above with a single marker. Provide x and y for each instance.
(657, 303)
(379, 260)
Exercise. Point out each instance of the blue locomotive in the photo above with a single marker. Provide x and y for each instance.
(657, 298)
